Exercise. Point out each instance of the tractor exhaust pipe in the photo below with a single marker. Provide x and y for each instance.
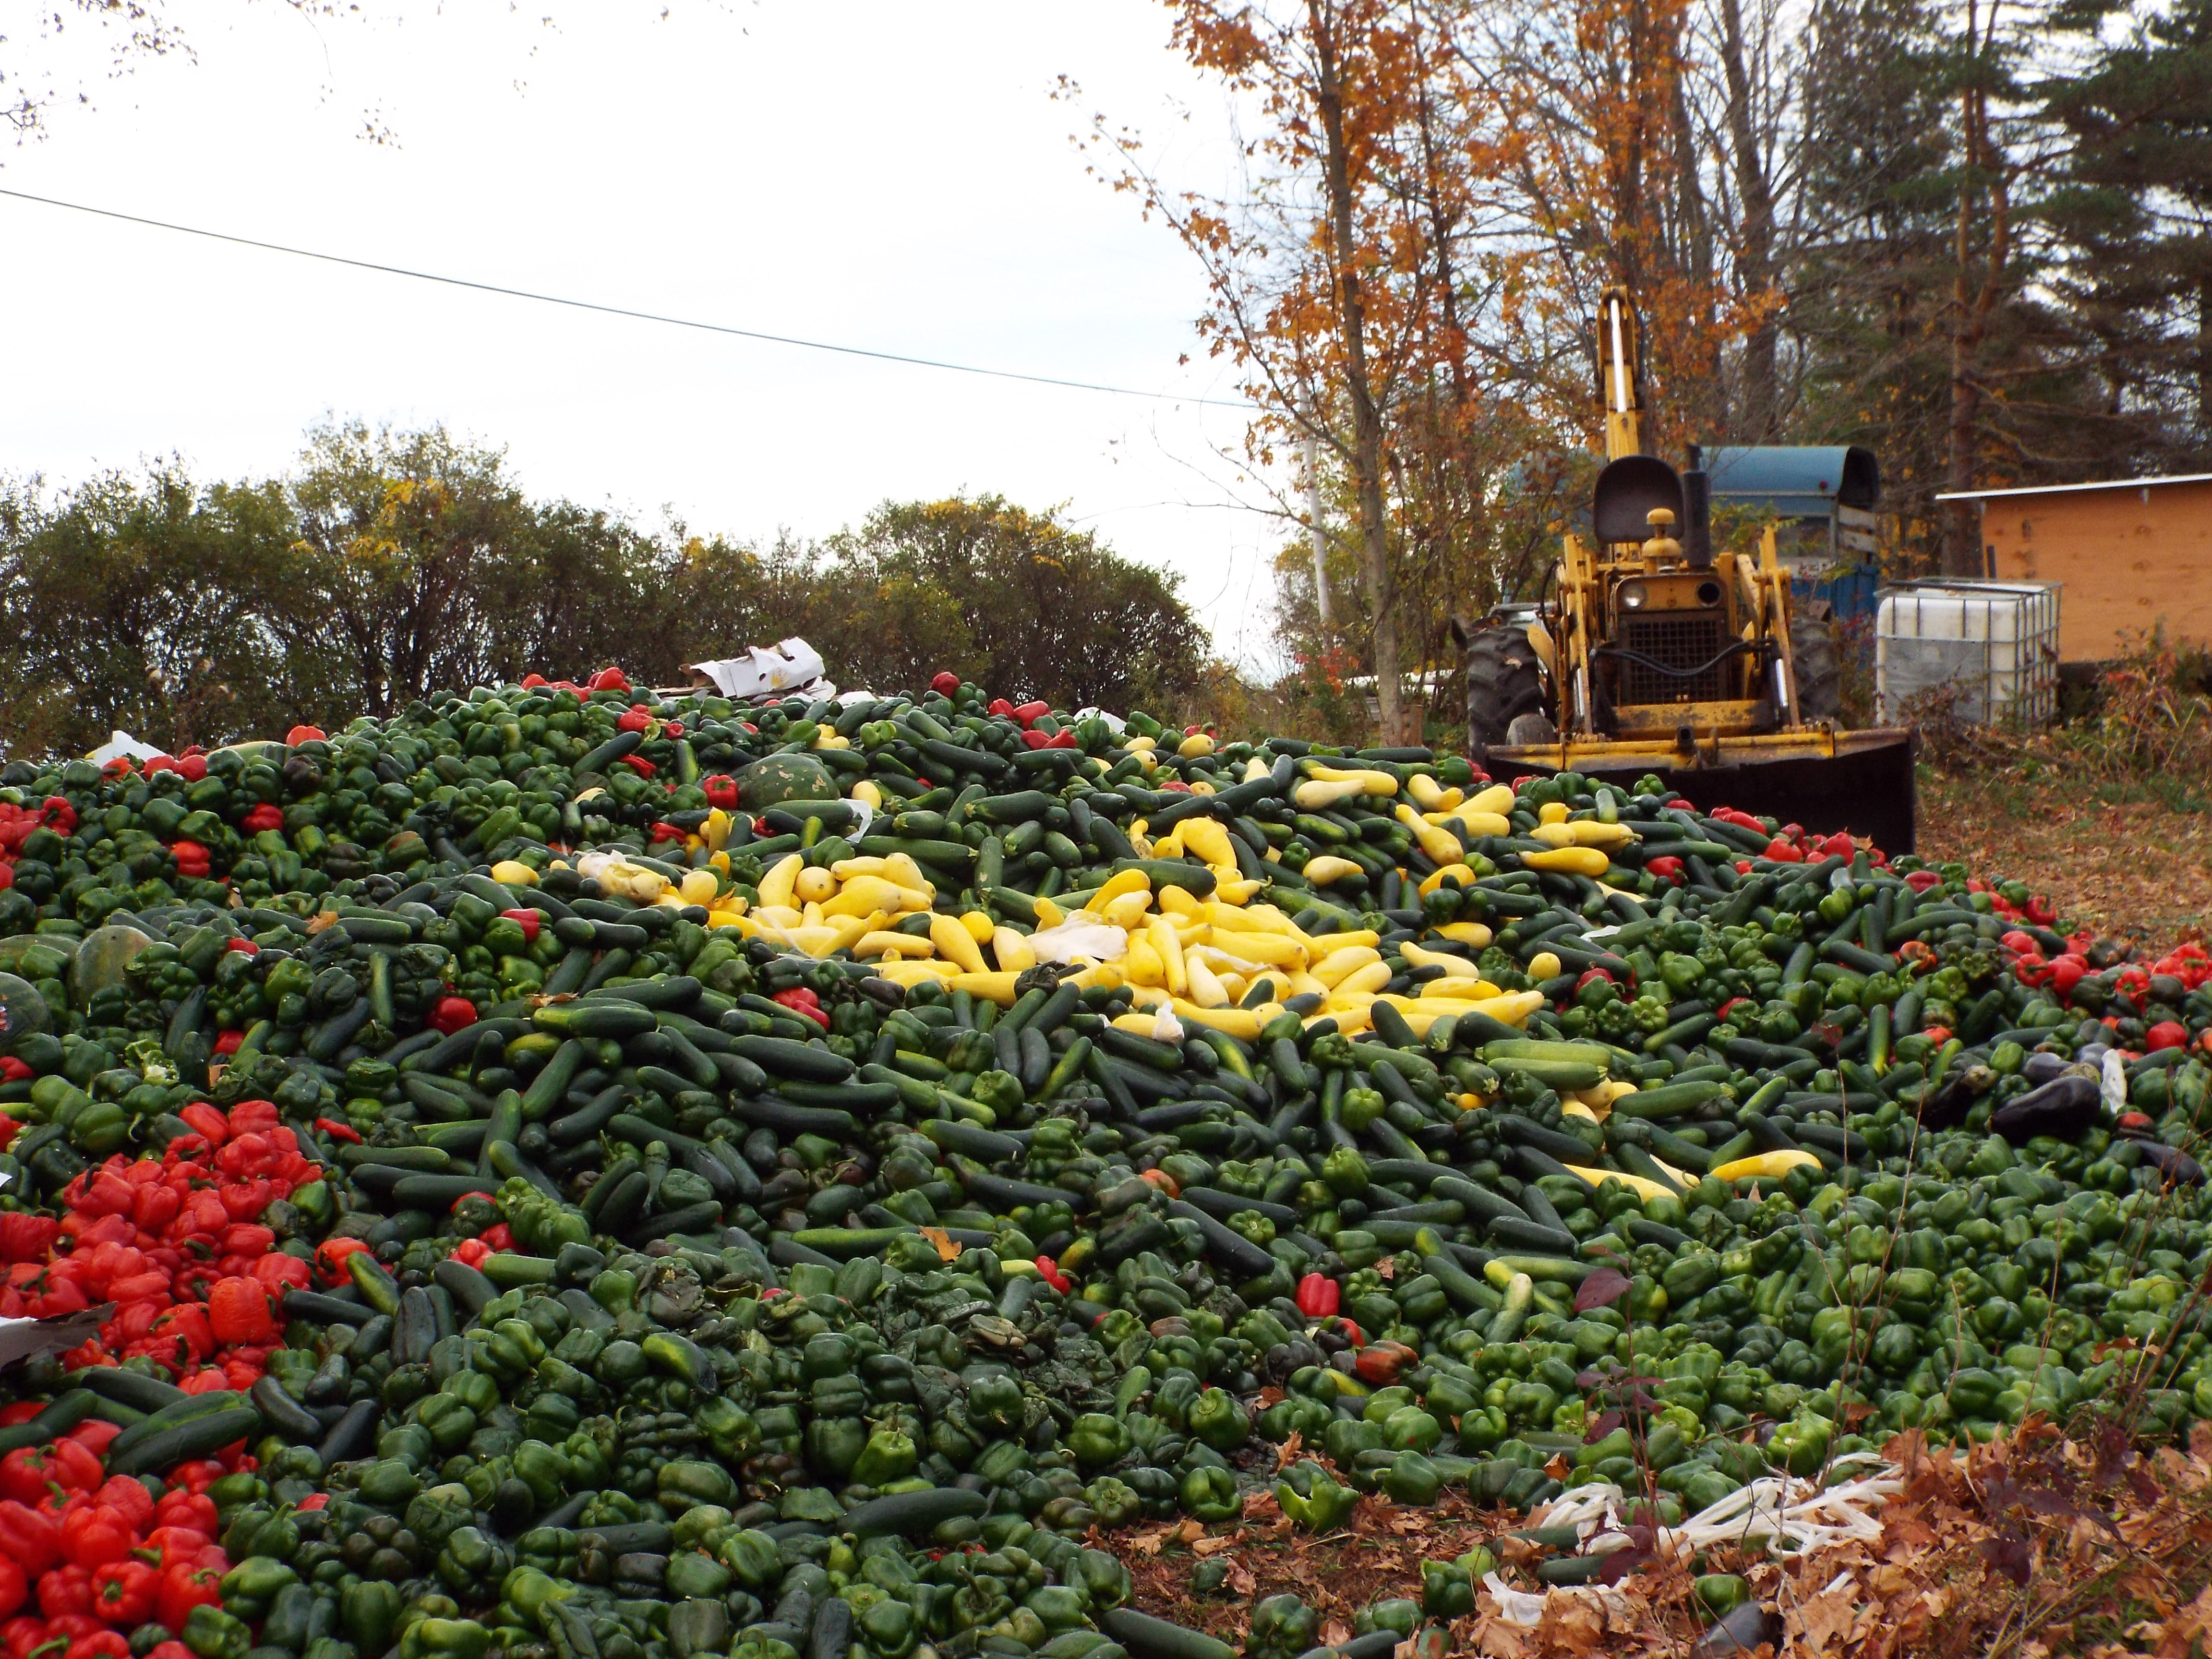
(1697, 513)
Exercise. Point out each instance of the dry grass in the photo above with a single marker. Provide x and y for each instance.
(2031, 1548)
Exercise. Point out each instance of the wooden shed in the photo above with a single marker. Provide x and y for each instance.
(2134, 555)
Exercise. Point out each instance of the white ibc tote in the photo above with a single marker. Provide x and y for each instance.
(1997, 641)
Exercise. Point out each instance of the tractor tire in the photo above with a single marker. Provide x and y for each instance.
(1819, 664)
(1504, 685)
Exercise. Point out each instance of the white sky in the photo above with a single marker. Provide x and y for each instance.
(893, 176)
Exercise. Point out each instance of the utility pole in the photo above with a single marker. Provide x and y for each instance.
(1320, 537)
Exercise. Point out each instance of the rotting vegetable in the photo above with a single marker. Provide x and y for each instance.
(696, 1178)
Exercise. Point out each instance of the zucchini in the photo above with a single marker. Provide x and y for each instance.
(63, 1414)
(1147, 1637)
(913, 1513)
(181, 1442)
(784, 1057)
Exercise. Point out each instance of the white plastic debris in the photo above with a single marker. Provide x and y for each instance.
(1081, 935)
(23, 1339)
(1166, 1028)
(2112, 1086)
(121, 746)
(790, 664)
(1776, 1512)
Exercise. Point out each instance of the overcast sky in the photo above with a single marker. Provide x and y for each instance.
(891, 176)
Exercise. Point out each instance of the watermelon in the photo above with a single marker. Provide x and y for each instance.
(101, 958)
(776, 779)
(23, 1011)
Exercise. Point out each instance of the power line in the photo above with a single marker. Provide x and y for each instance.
(615, 311)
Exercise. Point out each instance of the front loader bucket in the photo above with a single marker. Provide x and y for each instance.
(1859, 781)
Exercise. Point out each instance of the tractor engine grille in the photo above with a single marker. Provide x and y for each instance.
(1680, 640)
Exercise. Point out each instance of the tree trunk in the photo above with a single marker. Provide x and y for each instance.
(2204, 355)
(1755, 251)
(1962, 525)
(1366, 421)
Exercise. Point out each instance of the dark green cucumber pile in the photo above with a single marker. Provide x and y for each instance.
(810, 1335)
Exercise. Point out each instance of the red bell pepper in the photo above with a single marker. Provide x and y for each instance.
(1666, 866)
(124, 1592)
(300, 734)
(185, 1511)
(720, 790)
(607, 680)
(185, 1588)
(528, 920)
(1782, 852)
(1379, 1363)
(14, 1586)
(27, 1237)
(29, 1475)
(2167, 1034)
(635, 718)
(1048, 1270)
(330, 1257)
(472, 1252)
(1319, 1296)
(1027, 712)
(65, 1590)
(945, 684)
(100, 1645)
(453, 1014)
(96, 1535)
(800, 999)
(28, 1538)
(238, 1312)
(267, 816)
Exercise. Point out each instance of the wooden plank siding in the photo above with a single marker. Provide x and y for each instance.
(2132, 558)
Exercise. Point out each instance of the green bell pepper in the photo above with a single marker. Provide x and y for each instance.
(1209, 1494)
(250, 1587)
(445, 1638)
(694, 1572)
(212, 1633)
(889, 1455)
(1283, 1626)
(687, 1481)
(1311, 1497)
(1096, 1438)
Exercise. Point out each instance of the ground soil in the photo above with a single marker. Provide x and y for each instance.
(2131, 861)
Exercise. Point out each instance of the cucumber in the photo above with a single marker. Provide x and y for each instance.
(1561, 1074)
(133, 1388)
(1669, 1100)
(1551, 1269)
(189, 1409)
(595, 1020)
(782, 1057)
(50, 1424)
(1147, 1637)
(182, 1442)
(913, 1512)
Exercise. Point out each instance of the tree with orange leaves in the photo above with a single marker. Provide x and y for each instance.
(1336, 291)
(1440, 187)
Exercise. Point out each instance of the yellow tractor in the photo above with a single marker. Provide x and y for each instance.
(1648, 652)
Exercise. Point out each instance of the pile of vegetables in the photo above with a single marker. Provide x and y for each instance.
(583, 1175)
